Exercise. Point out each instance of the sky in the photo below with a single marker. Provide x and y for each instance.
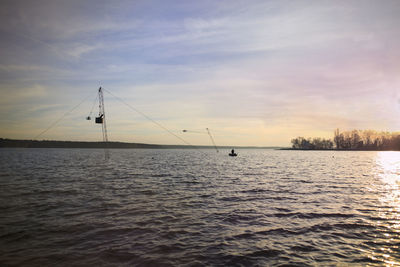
(256, 73)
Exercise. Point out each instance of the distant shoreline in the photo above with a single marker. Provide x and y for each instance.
(5, 142)
(10, 143)
(335, 149)
(355, 140)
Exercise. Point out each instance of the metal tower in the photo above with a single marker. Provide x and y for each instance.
(102, 120)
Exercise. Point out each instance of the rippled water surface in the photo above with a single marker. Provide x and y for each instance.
(68, 207)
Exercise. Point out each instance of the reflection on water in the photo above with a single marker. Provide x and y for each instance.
(388, 170)
(388, 164)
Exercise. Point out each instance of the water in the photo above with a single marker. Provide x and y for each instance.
(67, 207)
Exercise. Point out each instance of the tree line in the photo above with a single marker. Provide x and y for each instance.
(351, 140)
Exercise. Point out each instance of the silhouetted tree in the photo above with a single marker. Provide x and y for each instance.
(309, 144)
(352, 140)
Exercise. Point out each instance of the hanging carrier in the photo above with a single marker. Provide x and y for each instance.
(100, 119)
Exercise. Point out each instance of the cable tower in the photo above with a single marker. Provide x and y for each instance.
(209, 134)
(101, 119)
(212, 139)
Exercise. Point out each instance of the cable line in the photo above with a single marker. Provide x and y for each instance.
(153, 121)
(207, 132)
(212, 139)
(58, 120)
(190, 131)
(91, 110)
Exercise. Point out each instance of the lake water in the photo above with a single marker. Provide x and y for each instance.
(70, 207)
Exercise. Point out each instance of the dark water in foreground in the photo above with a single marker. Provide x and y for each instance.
(67, 207)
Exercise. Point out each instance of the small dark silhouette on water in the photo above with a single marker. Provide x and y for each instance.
(351, 140)
(233, 154)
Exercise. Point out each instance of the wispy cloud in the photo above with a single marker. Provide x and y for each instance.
(258, 69)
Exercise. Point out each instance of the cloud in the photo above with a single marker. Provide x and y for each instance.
(257, 68)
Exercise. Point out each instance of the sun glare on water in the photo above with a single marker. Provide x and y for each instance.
(388, 170)
(389, 164)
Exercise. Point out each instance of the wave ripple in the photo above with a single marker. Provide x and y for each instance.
(66, 207)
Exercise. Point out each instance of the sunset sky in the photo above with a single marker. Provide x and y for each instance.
(254, 72)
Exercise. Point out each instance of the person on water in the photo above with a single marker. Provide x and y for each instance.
(233, 151)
